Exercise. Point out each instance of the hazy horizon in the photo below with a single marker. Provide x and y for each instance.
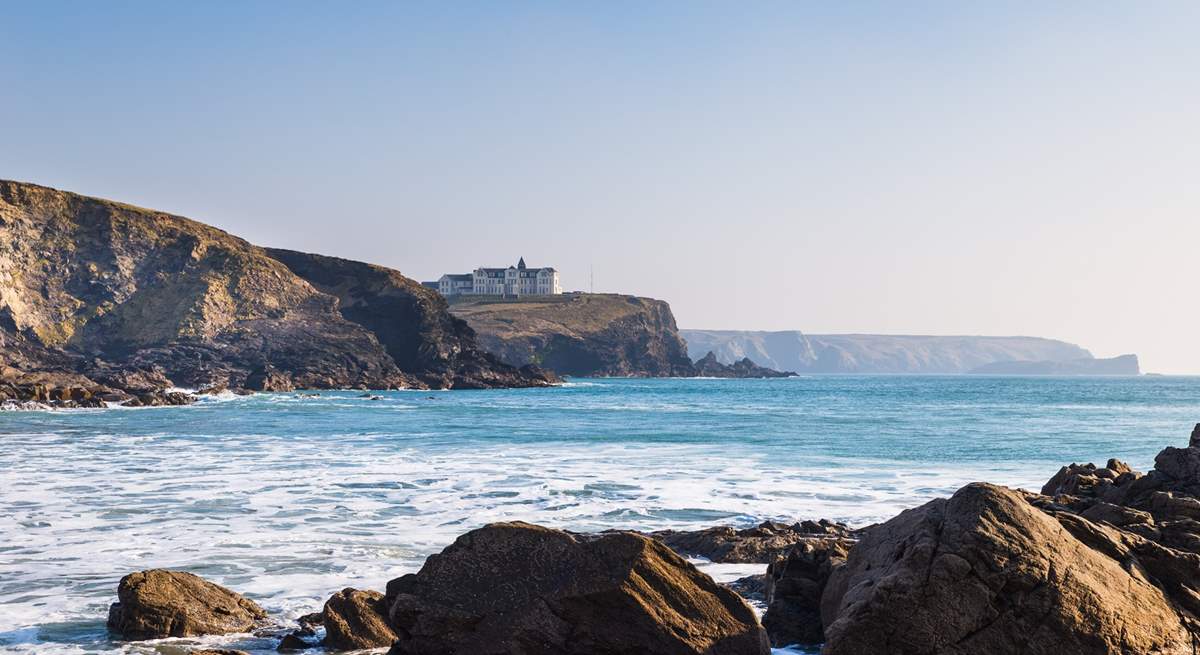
(930, 168)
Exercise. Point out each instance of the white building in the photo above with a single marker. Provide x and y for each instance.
(518, 280)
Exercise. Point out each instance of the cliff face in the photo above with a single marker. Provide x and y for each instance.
(582, 334)
(412, 322)
(111, 290)
(876, 354)
(1122, 365)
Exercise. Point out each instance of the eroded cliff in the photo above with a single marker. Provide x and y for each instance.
(112, 291)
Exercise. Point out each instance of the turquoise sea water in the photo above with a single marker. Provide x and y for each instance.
(288, 498)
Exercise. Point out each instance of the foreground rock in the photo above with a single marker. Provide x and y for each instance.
(986, 571)
(1105, 560)
(761, 544)
(158, 603)
(357, 620)
(515, 588)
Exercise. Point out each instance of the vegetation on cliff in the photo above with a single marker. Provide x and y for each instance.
(581, 334)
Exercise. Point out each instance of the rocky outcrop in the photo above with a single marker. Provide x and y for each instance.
(987, 571)
(521, 589)
(709, 367)
(117, 294)
(761, 544)
(158, 603)
(1105, 560)
(357, 620)
(589, 335)
(793, 588)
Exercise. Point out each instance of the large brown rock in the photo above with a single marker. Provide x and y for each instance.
(987, 572)
(357, 620)
(515, 588)
(158, 603)
(761, 544)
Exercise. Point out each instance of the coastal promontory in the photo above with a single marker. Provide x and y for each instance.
(120, 297)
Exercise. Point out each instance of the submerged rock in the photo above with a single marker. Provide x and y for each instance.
(159, 603)
(357, 620)
(515, 588)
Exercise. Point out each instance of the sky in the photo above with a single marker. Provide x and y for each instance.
(908, 168)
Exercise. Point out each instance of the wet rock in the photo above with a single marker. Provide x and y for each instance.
(357, 620)
(515, 588)
(794, 585)
(986, 571)
(762, 544)
(218, 651)
(294, 641)
(751, 587)
(310, 622)
(159, 603)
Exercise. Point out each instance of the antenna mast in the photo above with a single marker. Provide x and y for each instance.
(591, 279)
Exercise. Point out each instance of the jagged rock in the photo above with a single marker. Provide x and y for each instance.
(762, 544)
(158, 603)
(986, 571)
(357, 620)
(1090, 481)
(708, 366)
(515, 588)
(793, 589)
(218, 651)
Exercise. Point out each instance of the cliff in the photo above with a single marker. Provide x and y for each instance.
(876, 354)
(117, 292)
(581, 334)
(1122, 365)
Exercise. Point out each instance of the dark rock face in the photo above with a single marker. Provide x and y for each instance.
(793, 590)
(515, 588)
(127, 296)
(708, 366)
(357, 620)
(589, 335)
(158, 603)
(762, 544)
(411, 321)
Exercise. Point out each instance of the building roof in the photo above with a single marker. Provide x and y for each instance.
(459, 277)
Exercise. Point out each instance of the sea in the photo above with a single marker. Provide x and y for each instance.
(289, 497)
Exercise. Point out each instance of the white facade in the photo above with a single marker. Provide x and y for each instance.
(518, 280)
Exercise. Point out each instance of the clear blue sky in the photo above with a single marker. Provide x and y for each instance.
(945, 168)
